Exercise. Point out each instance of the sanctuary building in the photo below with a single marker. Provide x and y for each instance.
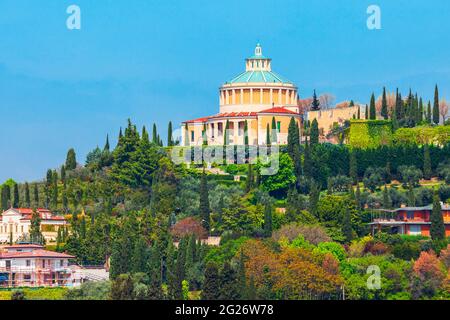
(249, 104)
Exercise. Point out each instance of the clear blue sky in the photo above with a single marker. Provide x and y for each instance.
(155, 61)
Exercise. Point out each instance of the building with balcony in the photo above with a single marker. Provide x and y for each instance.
(249, 100)
(15, 224)
(408, 220)
(30, 265)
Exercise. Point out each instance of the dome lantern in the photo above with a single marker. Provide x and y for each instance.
(258, 62)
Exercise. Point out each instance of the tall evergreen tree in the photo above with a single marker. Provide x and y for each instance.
(5, 197)
(226, 136)
(54, 190)
(229, 286)
(35, 229)
(268, 218)
(353, 167)
(155, 135)
(386, 198)
(384, 107)
(314, 195)
(27, 195)
(314, 132)
(437, 228)
(293, 137)
(169, 135)
(71, 160)
(315, 105)
(372, 109)
(268, 141)
(426, 162)
(429, 113)
(347, 230)
(211, 284)
(106, 147)
(36, 195)
(274, 133)
(420, 115)
(204, 201)
(63, 173)
(359, 113)
(16, 202)
(250, 178)
(436, 106)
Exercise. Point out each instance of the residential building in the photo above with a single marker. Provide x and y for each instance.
(15, 224)
(31, 265)
(409, 220)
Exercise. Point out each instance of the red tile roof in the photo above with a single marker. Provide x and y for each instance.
(45, 214)
(278, 110)
(39, 253)
(223, 115)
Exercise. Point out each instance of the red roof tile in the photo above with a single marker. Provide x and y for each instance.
(39, 253)
(278, 110)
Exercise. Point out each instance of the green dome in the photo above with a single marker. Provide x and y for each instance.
(258, 76)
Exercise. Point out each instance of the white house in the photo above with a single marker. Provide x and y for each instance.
(16, 223)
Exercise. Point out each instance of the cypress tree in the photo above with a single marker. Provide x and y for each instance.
(55, 190)
(226, 136)
(353, 167)
(16, 202)
(384, 107)
(314, 132)
(428, 119)
(63, 173)
(268, 142)
(106, 147)
(358, 196)
(27, 195)
(352, 103)
(436, 106)
(386, 199)
(240, 276)
(347, 226)
(274, 131)
(211, 284)
(307, 161)
(5, 197)
(314, 195)
(71, 160)
(293, 137)
(268, 218)
(359, 113)
(36, 195)
(315, 105)
(204, 202)
(155, 135)
(250, 178)
(426, 162)
(437, 228)
(420, 115)
(366, 113)
(229, 286)
(169, 135)
(372, 110)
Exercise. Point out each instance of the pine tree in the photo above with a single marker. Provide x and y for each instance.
(71, 160)
(63, 173)
(16, 202)
(274, 138)
(204, 201)
(384, 107)
(314, 132)
(35, 229)
(169, 135)
(366, 113)
(155, 135)
(359, 113)
(426, 162)
(437, 228)
(420, 115)
(226, 136)
(436, 106)
(372, 109)
(293, 137)
(268, 142)
(211, 284)
(315, 105)
(27, 195)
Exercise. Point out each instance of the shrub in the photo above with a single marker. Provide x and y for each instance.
(313, 234)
